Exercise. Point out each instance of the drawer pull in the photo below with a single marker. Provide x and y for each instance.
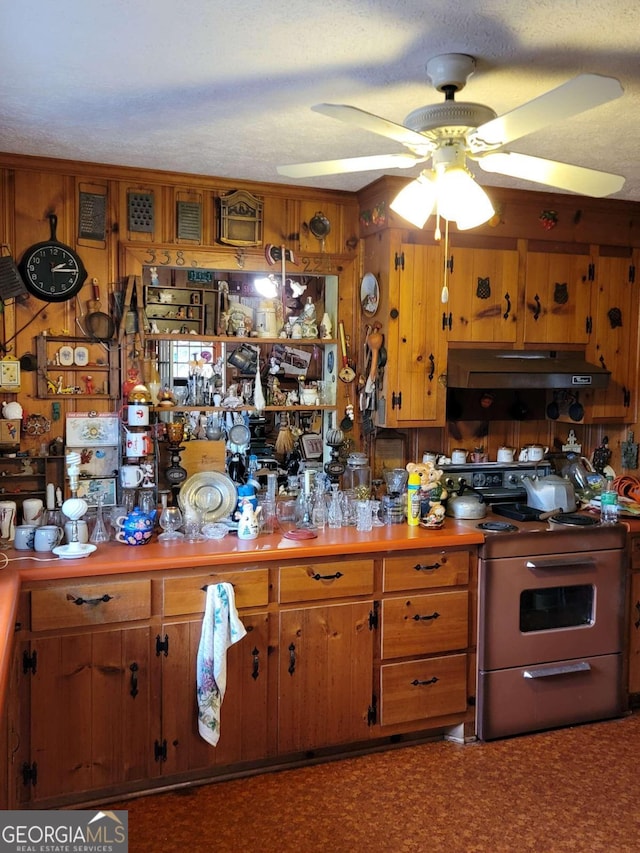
(292, 659)
(92, 602)
(636, 624)
(335, 577)
(417, 683)
(421, 567)
(134, 680)
(418, 618)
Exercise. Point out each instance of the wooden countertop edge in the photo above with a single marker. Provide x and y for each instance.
(117, 559)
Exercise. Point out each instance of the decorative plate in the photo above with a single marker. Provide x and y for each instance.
(369, 294)
(211, 492)
(65, 552)
(65, 356)
(81, 356)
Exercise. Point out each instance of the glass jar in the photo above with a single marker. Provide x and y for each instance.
(357, 476)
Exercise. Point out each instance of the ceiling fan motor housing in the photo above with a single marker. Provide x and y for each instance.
(450, 71)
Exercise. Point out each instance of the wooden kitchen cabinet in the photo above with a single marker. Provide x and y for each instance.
(614, 340)
(427, 637)
(243, 715)
(558, 288)
(82, 690)
(325, 655)
(413, 320)
(483, 295)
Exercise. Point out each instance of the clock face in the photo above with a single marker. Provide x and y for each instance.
(52, 271)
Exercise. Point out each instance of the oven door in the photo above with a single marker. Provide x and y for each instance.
(546, 608)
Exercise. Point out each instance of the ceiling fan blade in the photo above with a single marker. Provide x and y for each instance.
(582, 93)
(375, 124)
(577, 179)
(350, 164)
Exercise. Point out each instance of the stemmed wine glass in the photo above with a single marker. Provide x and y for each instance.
(170, 520)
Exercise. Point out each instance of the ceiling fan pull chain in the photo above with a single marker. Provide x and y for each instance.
(444, 295)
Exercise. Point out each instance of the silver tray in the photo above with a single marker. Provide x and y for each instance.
(212, 493)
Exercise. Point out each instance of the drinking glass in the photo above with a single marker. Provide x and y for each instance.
(376, 521)
(364, 521)
(170, 521)
(192, 525)
(286, 515)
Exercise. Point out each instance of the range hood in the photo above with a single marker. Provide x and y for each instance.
(522, 369)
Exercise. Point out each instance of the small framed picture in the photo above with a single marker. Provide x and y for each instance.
(96, 430)
(90, 491)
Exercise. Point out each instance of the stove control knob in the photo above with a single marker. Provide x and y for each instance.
(514, 479)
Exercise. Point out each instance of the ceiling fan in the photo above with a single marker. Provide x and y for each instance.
(448, 133)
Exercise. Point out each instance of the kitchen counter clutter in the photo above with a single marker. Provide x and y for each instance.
(352, 639)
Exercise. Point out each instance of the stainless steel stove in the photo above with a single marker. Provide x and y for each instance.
(495, 481)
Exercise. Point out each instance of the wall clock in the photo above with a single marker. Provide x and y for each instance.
(52, 271)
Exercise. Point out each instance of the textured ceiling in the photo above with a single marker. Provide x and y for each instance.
(215, 88)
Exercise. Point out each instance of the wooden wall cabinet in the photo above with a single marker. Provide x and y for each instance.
(77, 368)
(102, 699)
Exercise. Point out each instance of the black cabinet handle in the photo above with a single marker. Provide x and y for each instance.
(292, 659)
(255, 669)
(507, 312)
(92, 602)
(418, 618)
(335, 577)
(432, 367)
(134, 680)
(417, 683)
(431, 567)
(538, 308)
(637, 623)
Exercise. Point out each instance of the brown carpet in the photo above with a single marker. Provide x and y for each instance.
(574, 789)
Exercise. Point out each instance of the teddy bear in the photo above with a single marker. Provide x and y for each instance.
(431, 486)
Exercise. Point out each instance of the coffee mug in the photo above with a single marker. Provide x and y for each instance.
(47, 537)
(131, 476)
(536, 452)
(138, 414)
(506, 454)
(458, 456)
(137, 444)
(8, 520)
(23, 539)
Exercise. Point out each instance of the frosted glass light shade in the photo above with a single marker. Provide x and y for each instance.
(462, 200)
(416, 201)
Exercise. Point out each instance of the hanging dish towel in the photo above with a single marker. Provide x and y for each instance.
(221, 628)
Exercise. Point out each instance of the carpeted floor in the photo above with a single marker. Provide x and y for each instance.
(575, 789)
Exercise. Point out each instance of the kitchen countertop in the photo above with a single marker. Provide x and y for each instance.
(114, 558)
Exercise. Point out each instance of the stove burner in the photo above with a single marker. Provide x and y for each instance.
(498, 526)
(576, 520)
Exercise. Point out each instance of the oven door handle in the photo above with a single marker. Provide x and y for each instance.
(564, 669)
(575, 562)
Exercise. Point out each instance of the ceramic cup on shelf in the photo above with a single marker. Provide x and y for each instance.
(24, 535)
(131, 476)
(47, 537)
(458, 456)
(8, 511)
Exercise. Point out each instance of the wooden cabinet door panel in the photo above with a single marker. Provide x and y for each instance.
(417, 690)
(325, 678)
(244, 712)
(557, 298)
(99, 733)
(321, 581)
(425, 624)
(483, 292)
(424, 570)
(615, 338)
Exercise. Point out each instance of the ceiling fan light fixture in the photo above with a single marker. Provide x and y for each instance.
(462, 200)
(416, 201)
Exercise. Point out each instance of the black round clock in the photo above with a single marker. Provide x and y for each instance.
(52, 271)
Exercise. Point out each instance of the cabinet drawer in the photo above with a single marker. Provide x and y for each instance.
(319, 581)
(635, 552)
(86, 604)
(420, 689)
(424, 570)
(425, 624)
(187, 595)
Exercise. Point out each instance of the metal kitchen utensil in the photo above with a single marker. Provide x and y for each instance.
(98, 325)
(346, 373)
